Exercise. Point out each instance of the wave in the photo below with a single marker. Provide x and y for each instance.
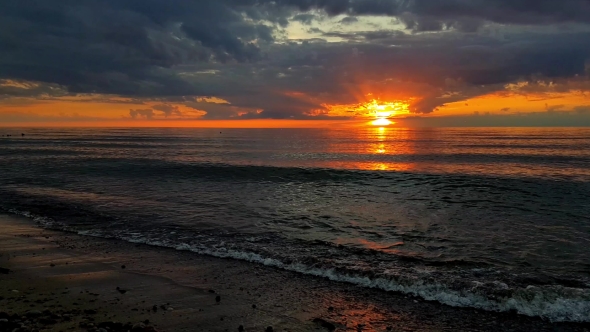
(556, 303)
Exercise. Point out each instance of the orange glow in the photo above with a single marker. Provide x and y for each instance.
(385, 109)
(507, 103)
(373, 108)
(364, 105)
(381, 122)
(259, 123)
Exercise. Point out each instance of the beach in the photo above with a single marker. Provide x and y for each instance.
(75, 283)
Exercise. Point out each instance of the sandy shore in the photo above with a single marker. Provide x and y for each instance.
(65, 282)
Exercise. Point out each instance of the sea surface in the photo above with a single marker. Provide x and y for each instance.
(497, 219)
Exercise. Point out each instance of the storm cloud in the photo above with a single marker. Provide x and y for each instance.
(120, 47)
(244, 52)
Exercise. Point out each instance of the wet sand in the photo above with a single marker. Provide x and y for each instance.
(68, 282)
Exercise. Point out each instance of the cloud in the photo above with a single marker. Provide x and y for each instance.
(170, 52)
(11, 117)
(536, 119)
(305, 18)
(121, 47)
(452, 11)
(181, 109)
(17, 88)
(554, 108)
(142, 113)
(168, 110)
(349, 20)
(585, 109)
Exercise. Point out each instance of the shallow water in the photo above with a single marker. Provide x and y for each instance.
(497, 219)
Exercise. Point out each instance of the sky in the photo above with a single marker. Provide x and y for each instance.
(262, 63)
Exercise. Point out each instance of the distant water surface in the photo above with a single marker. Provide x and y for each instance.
(497, 219)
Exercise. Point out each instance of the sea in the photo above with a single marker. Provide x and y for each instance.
(490, 218)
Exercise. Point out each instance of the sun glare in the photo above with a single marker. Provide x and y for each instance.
(381, 122)
(380, 113)
(383, 111)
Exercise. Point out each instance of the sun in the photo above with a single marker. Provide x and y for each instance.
(380, 112)
(384, 111)
(381, 122)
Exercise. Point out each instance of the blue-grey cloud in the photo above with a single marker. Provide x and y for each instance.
(121, 46)
(172, 50)
(448, 11)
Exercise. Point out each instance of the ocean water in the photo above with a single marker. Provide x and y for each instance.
(497, 219)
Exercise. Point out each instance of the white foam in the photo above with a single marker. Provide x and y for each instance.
(556, 303)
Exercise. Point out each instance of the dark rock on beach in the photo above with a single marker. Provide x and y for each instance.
(8, 325)
(141, 328)
(325, 324)
(34, 314)
(48, 321)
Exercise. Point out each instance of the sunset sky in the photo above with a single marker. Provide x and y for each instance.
(259, 63)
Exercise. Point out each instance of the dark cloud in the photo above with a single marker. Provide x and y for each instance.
(305, 18)
(536, 119)
(452, 12)
(349, 20)
(171, 51)
(121, 46)
(11, 88)
(476, 64)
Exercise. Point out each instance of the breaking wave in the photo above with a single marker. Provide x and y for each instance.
(557, 303)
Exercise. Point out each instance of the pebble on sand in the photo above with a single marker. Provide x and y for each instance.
(325, 324)
(34, 313)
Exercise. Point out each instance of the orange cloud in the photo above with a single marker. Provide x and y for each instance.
(385, 102)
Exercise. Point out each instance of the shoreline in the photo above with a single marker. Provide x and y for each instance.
(184, 286)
